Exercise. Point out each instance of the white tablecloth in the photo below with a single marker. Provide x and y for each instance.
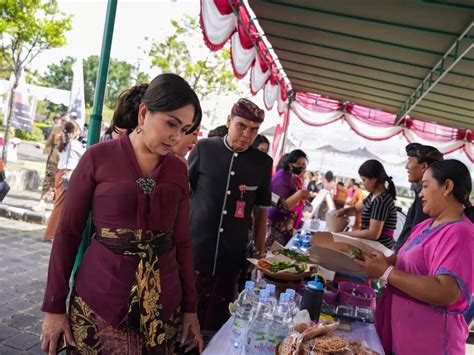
(221, 345)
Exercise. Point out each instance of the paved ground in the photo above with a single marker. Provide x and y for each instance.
(31, 151)
(26, 199)
(23, 265)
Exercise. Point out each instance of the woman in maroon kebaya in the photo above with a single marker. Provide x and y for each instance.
(135, 285)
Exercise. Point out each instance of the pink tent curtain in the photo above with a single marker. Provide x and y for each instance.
(249, 51)
(377, 125)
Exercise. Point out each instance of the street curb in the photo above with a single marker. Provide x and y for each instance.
(24, 215)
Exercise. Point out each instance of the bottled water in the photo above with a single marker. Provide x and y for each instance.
(292, 301)
(260, 285)
(297, 241)
(279, 327)
(247, 296)
(272, 298)
(258, 329)
(240, 326)
(305, 244)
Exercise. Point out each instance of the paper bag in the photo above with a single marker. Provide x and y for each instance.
(332, 251)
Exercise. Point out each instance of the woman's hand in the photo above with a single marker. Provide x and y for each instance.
(340, 213)
(305, 194)
(374, 264)
(191, 335)
(53, 326)
(258, 254)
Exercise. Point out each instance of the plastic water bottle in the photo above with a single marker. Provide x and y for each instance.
(297, 241)
(240, 326)
(272, 297)
(279, 327)
(292, 301)
(247, 296)
(258, 329)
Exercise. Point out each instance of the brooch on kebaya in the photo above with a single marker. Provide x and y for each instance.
(147, 185)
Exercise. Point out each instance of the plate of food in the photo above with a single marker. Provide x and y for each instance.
(281, 267)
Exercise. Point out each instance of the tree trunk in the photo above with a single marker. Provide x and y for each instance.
(6, 140)
(214, 116)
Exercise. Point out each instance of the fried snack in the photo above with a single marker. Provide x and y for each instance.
(357, 348)
(301, 340)
(288, 345)
(301, 327)
(329, 343)
(264, 264)
(320, 329)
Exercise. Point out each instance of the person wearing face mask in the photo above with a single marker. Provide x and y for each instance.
(231, 185)
(419, 159)
(431, 279)
(281, 221)
(134, 288)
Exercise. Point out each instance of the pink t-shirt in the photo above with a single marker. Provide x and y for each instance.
(421, 328)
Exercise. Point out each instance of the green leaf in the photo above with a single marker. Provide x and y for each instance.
(176, 53)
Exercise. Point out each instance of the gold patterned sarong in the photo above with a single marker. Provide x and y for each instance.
(144, 301)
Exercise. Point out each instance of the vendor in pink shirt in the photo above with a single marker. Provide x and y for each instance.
(430, 281)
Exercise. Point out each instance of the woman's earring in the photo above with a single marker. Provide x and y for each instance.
(445, 194)
(139, 130)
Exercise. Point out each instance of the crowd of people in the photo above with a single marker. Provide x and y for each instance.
(171, 234)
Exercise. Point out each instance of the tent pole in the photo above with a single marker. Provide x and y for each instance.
(96, 116)
(286, 122)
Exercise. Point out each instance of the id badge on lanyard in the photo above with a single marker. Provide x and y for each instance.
(240, 204)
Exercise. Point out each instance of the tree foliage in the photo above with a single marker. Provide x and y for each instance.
(59, 75)
(27, 28)
(178, 52)
(119, 78)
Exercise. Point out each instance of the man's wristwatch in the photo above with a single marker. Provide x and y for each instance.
(386, 274)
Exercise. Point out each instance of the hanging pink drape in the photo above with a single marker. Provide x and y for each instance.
(249, 51)
(377, 125)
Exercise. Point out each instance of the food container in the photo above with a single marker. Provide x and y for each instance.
(331, 295)
(345, 310)
(336, 224)
(356, 295)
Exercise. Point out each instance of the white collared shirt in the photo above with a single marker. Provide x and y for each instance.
(69, 157)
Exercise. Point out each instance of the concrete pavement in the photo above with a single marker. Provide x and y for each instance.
(19, 205)
(24, 261)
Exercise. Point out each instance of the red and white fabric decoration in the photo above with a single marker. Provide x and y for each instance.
(376, 125)
(234, 20)
(220, 24)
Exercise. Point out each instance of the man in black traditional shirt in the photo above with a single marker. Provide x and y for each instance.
(419, 159)
(231, 184)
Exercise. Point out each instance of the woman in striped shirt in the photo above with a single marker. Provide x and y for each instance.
(379, 214)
